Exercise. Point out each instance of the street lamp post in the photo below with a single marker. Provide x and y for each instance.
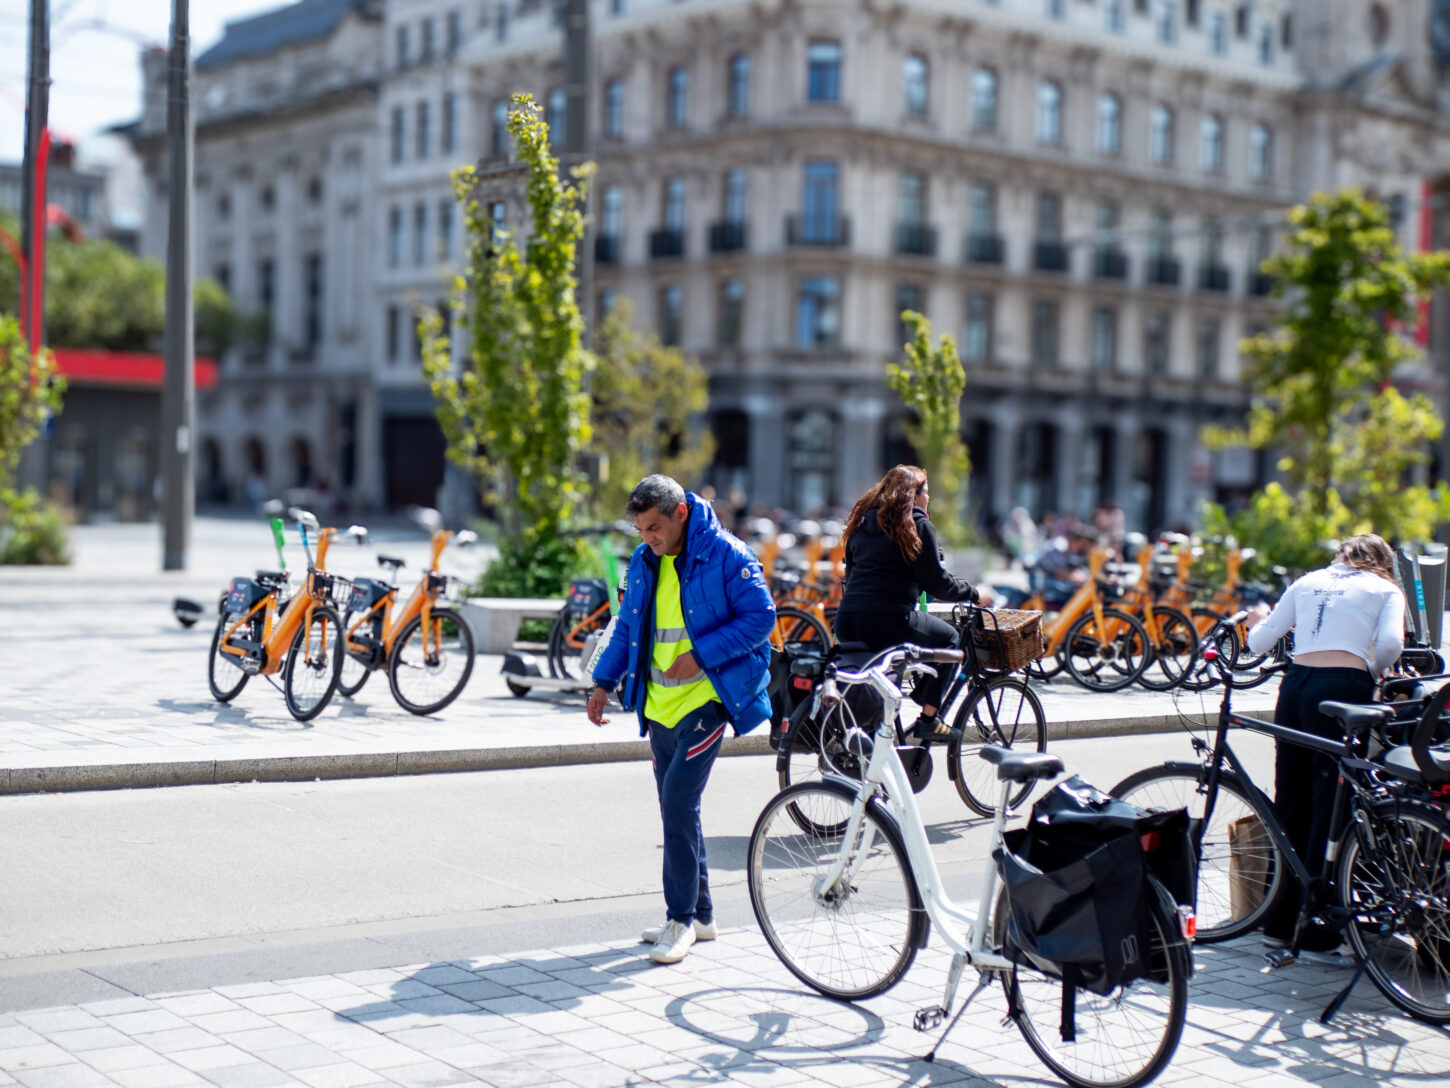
(178, 389)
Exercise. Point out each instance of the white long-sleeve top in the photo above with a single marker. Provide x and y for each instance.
(1339, 608)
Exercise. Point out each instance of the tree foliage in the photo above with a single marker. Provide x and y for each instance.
(647, 401)
(515, 415)
(930, 380)
(1323, 397)
(30, 392)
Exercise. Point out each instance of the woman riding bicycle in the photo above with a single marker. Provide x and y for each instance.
(892, 555)
(1349, 627)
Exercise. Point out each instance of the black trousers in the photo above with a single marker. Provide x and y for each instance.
(882, 630)
(1305, 781)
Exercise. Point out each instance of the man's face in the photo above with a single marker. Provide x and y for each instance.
(664, 533)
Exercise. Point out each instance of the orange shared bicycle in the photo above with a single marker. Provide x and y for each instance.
(427, 648)
(259, 634)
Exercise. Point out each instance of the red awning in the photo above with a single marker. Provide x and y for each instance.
(130, 369)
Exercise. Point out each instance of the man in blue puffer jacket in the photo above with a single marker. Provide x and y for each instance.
(692, 650)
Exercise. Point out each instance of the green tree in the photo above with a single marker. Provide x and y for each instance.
(647, 401)
(30, 391)
(1321, 383)
(930, 380)
(516, 415)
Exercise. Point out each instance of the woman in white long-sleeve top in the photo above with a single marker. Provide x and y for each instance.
(1349, 627)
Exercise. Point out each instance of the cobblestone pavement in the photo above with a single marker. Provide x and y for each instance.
(601, 1015)
(96, 669)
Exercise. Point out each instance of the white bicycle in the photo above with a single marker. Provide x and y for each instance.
(845, 889)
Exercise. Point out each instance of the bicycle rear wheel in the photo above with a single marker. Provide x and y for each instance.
(1174, 653)
(222, 676)
(1108, 659)
(799, 626)
(428, 674)
(1396, 891)
(1238, 871)
(1004, 712)
(856, 939)
(1123, 1038)
(355, 671)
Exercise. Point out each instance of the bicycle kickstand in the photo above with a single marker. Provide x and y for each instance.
(926, 1019)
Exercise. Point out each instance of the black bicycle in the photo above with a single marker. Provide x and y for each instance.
(1389, 849)
(997, 707)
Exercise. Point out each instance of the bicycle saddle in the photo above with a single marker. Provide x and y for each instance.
(390, 561)
(1021, 766)
(272, 577)
(1356, 719)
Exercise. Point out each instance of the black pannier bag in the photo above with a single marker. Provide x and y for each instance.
(366, 592)
(1077, 886)
(794, 674)
(243, 594)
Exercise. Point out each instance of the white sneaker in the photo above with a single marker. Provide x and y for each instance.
(674, 942)
(704, 931)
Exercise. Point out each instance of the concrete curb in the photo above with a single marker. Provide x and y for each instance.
(301, 768)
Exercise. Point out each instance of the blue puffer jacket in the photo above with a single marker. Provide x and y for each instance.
(729, 615)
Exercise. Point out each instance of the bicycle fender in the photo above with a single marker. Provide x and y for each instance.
(1170, 911)
(920, 923)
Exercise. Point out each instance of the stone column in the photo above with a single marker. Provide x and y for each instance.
(862, 419)
(1068, 469)
(1006, 420)
(1125, 450)
(768, 447)
(287, 268)
(1178, 441)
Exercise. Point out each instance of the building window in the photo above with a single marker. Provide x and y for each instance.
(399, 133)
(223, 277)
(977, 332)
(1379, 25)
(1113, 16)
(611, 215)
(1160, 234)
(677, 101)
(818, 315)
(911, 198)
(501, 27)
(1105, 338)
(402, 47)
(1107, 218)
(268, 198)
(823, 72)
(497, 217)
(1044, 332)
(554, 116)
(1167, 23)
(420, 234)
(1110, 128)
(981, 210)
(818, 206)
(395, 237)
(738, 95)
(223, 206)
(672, 304)
(1241, 20)
(1266, 45)
(394, 328)
(1049, 113)
(1160, 135)
(1055, 9)
(1208, 348)
(1155, 343)
(674, 205)
(1192, 12)
(312, 284)
(1212, 243)
(314, 191)
(1049, 217)
(614, 108)
(1261, 153)
(498, 142)
(421, 135)
(1211, 142)
(449, 135)
(1217, 33)
(445, 229)
(913, 84)
(984, 100)
(732, 303)
(909, 296)
(266, 285)
(454, 33)
(735, 196)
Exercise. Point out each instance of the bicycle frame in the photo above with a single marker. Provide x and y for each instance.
(420, 602)
(279, 631)
(1084, 599)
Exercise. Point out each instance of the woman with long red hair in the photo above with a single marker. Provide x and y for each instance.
(892, 556)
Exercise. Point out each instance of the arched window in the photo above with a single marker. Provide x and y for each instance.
(1110, 113)
(914, 84)
(677, 102)
(1049, 113)
(984, 100)
(739, 88)
(1211, 141)
(1160, 135)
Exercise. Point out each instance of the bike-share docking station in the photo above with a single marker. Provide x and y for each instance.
(1422, 577)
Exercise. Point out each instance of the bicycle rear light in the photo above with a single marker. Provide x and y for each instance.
(1187, 922)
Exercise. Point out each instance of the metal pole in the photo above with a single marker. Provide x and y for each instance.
(33, 197)
(178, 388)
(578, 137)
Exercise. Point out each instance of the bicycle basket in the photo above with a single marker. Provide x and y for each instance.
(331, 589)
(1004, 639)
(438, 584)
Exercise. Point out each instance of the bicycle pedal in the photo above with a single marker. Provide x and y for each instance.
(928, 1019)
(1278, 957)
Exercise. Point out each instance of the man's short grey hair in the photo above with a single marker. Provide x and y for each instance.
(655, 492)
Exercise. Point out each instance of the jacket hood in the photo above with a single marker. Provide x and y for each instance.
(703, 520)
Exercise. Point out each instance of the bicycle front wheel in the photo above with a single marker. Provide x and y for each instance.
(1395, 889)
(314, 663)
(1239, 868)
(1004, 712)
(1175, 651)
(429, 667)
(1107, 658)
(855, 939)
(1122, 1039)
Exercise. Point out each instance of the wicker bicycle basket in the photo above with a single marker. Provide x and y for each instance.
(1004, 639)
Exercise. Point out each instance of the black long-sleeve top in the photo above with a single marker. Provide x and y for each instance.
(879, 578)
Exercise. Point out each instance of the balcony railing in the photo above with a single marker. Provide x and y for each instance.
(1050, 257)
(986, 249)
(1110, 263)
(817, 230)
(667, 242)
(1164, 271)
(728, 236)
(1214, 277)
(916, 239)
(1261, 284)
(606, 249)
